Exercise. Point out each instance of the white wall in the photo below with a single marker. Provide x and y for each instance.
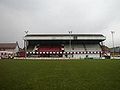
(82, 56)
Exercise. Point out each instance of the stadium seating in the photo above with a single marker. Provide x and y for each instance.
(30, 48)
(49, 49)
(83, 47)
(93, 47)
(75, 48)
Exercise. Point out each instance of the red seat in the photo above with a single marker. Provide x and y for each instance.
(49, 49)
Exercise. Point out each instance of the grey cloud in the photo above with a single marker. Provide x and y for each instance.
(56, 16)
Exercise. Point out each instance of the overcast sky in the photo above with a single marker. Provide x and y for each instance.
(59, 16)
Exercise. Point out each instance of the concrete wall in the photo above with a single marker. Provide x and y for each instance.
(82, 56)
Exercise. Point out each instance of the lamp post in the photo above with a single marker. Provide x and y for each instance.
(112, 32)
(25, 43)
(70, 32)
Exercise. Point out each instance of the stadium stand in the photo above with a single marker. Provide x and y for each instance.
(58, 45)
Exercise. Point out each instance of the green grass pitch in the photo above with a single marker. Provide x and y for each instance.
(59, 75)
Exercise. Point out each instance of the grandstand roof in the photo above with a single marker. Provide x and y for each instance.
(99, 37)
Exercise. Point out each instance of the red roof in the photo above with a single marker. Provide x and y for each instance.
(8, 45)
